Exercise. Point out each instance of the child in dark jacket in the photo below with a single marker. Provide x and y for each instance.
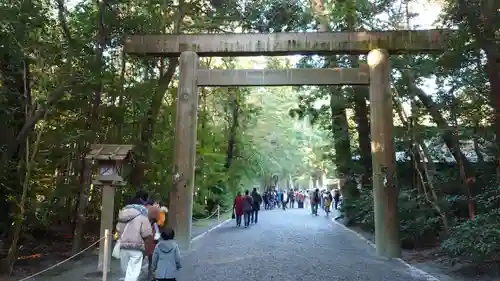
(166, 257)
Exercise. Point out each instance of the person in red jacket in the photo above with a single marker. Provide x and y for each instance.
(238, 208)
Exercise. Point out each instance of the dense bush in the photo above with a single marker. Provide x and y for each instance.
(476, 240)
(421, 226)
(360, 210)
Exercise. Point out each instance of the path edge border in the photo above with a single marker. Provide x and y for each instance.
(413, 270)
(201, 235)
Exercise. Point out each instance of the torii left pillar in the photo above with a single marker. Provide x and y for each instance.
(181, 196)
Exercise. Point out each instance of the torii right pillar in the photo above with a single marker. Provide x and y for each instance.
(385, 187)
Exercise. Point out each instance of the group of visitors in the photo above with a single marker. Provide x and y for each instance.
(248, 207)
(300, 197)
(283, 199)
(324, 200)
(141, 232)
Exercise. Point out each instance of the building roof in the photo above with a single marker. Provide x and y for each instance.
(441, 154)
(116, 152)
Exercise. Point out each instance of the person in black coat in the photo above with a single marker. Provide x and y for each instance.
(291, 198)
(267, 202)
(336, 198)
(257, 200)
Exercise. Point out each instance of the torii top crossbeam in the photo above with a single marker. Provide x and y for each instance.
(277, 44)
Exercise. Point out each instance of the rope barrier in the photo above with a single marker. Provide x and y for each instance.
(215, 212)
(64, 261)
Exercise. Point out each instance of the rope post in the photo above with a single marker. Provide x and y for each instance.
(218, 213)
(107, 258)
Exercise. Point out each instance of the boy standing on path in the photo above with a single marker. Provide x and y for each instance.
(166, 257)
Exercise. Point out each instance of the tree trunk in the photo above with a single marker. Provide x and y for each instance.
(343, 156)
(21, 202)
(231, 140)
(143, 144)
(447, 132)
(119, 123)
(360, 106)
(21, 199)
(477, 148)
(340, 131)
(92, 132)
(466, 181)
(484, 28)
(13, 93)
(83, 200)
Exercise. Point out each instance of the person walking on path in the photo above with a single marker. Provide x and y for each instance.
(257, 200)
(300, 199)
(272, 200)
(307, 198)
(150, 244)
(238, 208)
(322, 199)
(336, 198)
(315, 200)
(134, 232)
(265, 198)
(152, 210)
(328, 202)
(166, 257)
(291, 198)
(284, 200)
(279, 198)
(247, 208)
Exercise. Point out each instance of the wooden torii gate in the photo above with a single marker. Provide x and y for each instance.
(378, 45)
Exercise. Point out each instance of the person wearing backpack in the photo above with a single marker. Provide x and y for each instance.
(135, 233)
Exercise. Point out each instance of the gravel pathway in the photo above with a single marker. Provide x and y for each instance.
(287, 246)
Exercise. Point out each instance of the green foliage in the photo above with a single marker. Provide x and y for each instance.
(477, 239)
(360, 210)
(419, 224)
(93, 93)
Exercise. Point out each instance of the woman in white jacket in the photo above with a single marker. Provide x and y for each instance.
(284, 199)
